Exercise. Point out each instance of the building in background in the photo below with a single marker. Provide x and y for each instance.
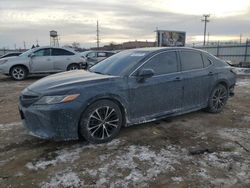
(127, 45)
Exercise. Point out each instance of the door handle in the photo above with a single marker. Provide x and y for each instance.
(178, 78)
(210, 73)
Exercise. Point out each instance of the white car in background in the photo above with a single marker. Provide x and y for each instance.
(40, 60)
(94, 57)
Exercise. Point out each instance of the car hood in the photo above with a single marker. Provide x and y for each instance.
(10, 58)
(62, 81)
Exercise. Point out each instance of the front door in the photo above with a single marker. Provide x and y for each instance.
(41, 61)
(162, 93)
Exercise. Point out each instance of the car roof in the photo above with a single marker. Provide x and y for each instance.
(159, 49)
(41, 47)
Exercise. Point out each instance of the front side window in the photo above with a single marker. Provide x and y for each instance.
(61, 52)
(42, 52)
(190, 60)
(163, 63)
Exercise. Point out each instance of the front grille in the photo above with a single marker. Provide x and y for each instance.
(27, 100)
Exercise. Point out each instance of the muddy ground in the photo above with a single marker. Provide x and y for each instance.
(193, 150)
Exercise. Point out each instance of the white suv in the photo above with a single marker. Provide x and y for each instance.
(40, 60)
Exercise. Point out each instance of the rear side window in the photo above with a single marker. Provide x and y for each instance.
(206, 60)
(101, 54)
(163, 63)
(59, 52)
(190, 60)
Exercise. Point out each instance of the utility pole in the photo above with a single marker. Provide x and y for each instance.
(24, 45)
(97, 35)
(208, 34)
(206, 16)
(240, 38)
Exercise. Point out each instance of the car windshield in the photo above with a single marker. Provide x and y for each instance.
(119, 63)
(24, 54)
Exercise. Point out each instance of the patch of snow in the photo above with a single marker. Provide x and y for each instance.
(243, 82)
(63, 156)
(177, 179)
(64, 179)
(9, 126)
(235, 134)
(242, 71)
(67, 155)
(131, 160)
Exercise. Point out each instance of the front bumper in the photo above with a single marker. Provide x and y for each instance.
(57, 121)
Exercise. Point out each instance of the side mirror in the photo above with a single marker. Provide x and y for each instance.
(144, 74)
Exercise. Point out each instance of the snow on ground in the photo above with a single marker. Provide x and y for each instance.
(64, 179)
(242, 71)
(138, 165)
(9, 126)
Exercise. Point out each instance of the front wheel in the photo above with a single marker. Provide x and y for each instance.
(101, 122)
(218, 99)
(18, 73)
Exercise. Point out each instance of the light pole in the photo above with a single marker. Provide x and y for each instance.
(206, 16)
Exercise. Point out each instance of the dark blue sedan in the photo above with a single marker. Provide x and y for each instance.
(131, 87)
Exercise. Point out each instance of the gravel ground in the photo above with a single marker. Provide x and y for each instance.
(193, 150)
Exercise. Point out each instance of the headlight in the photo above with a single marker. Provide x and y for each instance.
(57, 99)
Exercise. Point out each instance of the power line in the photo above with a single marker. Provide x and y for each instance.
(206, 20)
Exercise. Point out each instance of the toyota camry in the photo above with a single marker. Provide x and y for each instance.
(131, 87)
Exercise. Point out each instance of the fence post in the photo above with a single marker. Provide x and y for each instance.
(218, 47)
(245, 56)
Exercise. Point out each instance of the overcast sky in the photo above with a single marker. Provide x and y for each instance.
(120, 20)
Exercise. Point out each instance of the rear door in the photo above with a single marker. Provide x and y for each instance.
(196, 79)
(41, 61)
(161, 94)
(62, 59)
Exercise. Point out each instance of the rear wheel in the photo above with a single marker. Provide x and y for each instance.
(18, 72)
(218, 99)
(101, 122)
(73, 67)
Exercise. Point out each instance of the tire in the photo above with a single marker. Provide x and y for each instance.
(73, 66)
(217, 99)
(18, 73)
(101, 122)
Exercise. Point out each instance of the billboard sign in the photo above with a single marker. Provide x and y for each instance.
(170, 38)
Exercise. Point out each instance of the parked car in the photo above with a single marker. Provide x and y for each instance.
(11, 54)
(40, 60)
(131, 87)
(93, 57)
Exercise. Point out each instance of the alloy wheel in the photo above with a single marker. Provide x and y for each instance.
(103, 122)
(219, 98)
(18, 73)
